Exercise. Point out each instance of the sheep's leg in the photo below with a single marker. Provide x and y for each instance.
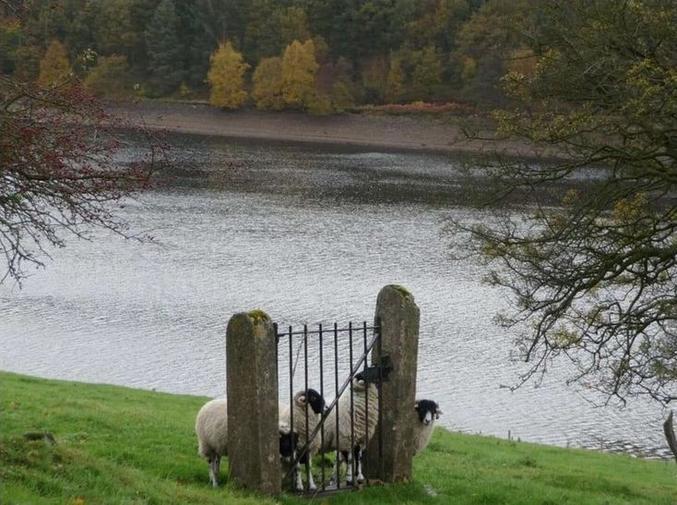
(311, 481)
(299, 480)
(214, 464)
(358, 457)
(307, 467)
(337, 474)
(349, 471)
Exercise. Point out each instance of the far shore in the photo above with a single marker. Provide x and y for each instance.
(383, 132)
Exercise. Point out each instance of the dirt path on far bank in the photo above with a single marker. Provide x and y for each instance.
(382, 132)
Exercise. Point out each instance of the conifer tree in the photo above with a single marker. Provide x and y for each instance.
(299, 69)
(55, 68)
(165, 54)
(226, 77)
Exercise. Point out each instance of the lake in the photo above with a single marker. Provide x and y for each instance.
(309, 234)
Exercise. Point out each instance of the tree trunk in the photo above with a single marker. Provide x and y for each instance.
(670, 435)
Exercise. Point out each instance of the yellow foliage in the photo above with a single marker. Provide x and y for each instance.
(469, 68)
(267, 79)
(226, 77)
(628, 210)
(523, 61)
(394, 81)
(55, 68)
(299, 68)
(109, 77)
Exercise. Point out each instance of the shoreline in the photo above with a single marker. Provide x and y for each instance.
(359, 131)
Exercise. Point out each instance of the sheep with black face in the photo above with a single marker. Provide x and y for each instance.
(427, 412)
(309, 405)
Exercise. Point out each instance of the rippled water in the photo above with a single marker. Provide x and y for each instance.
(309, 234)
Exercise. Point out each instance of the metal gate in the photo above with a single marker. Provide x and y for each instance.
(334, 362)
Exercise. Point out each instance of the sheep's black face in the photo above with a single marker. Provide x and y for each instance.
(288, 444)
(315, 400)
(428, 411)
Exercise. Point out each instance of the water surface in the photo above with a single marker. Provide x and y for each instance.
(309, 234)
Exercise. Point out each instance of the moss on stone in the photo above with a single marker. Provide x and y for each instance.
(402, 290)
(258, 316)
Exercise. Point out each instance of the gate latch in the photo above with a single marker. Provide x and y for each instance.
(371, 374)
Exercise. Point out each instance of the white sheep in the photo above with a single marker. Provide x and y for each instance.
(427, 412)
(308, 402)
(353, 443)
(211, 427)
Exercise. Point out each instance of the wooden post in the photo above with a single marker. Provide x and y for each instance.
(398, 317)
(251, 377)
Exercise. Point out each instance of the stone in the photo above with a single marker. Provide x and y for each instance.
(252, 388)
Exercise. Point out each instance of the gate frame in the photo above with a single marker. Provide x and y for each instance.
(252, 386)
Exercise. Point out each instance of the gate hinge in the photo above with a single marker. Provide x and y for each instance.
(371, 374)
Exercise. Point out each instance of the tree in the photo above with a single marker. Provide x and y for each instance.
(109, 78)
(114, 28)
(55, 68)
(299, 68)
(486, 42)
(10, 38)
(428, 71)
(293, 25)
(594, 278)
(59, 174)
(395, 80)
(165, 53)
(226, 77)
(267, 79)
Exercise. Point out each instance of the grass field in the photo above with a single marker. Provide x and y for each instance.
(124, 446)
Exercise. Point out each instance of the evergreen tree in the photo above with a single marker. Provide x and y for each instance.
(165, 54)
(299, 69)
(267, 80)
(55, 68)
(226, 77)
(10, 39)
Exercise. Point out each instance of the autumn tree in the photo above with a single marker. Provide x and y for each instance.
(226, 77)
(299, 68)
(592, 268)
(427, 72)
(395, 80)
(267, 92)
(55, 68)
(485, 43)
(109, 78)
(59, 173)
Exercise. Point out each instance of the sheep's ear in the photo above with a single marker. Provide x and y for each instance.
(416, 406)
(302, 398)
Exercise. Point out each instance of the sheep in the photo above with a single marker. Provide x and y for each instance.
(308, 402)
(427, 412)
(361, 433)
(211, 427)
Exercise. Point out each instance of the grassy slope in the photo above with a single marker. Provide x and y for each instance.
(118, 445)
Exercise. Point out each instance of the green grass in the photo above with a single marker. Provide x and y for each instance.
(123, 446)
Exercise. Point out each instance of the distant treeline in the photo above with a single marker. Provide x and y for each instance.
(321, 55)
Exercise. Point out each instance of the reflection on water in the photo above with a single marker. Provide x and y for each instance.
(310, 235)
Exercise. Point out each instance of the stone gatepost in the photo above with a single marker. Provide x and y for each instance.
(251, 381)
(398, 317)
